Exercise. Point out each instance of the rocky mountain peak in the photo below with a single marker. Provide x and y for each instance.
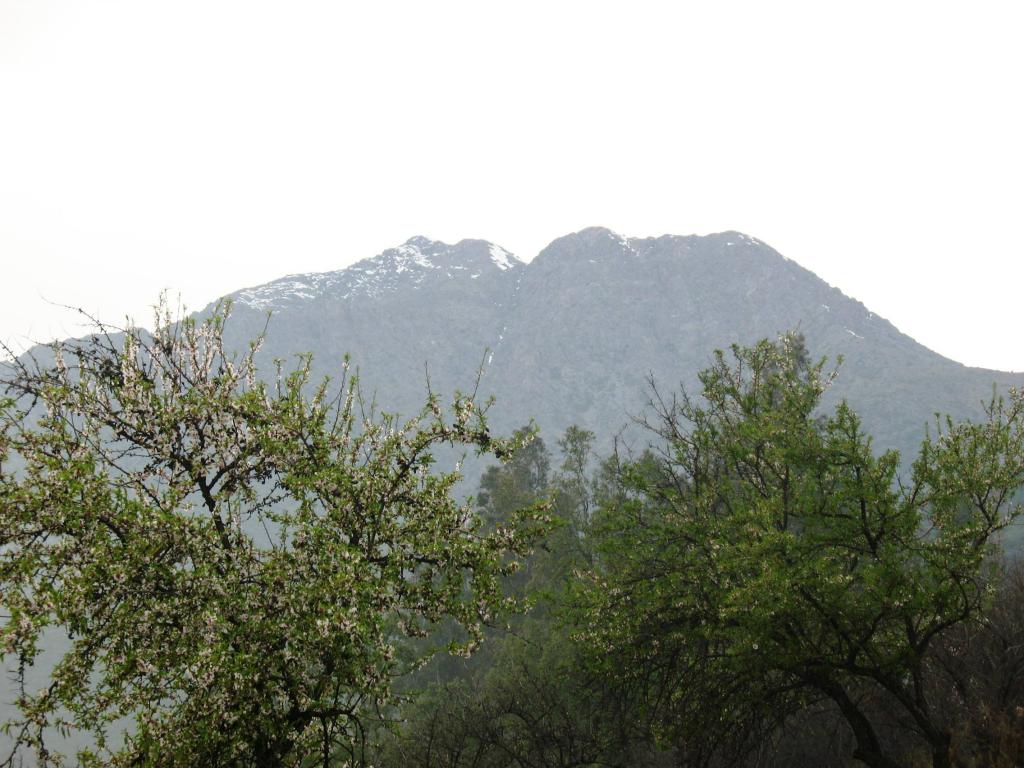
(571, 336)
(420, 258)
(592, 239)
(417, 261)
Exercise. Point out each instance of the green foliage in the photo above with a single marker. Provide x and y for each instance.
(769, 556)
(531, 707)
(525, 479)
(520, 480)
(233, 562)
(243, 570)
(528, 701)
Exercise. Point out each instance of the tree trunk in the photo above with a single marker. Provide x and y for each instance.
(869, 750)
(940, 752)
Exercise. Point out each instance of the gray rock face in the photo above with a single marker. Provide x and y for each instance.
(424, 308)
(572, 336)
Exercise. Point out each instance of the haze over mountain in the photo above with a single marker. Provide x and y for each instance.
(571, 336)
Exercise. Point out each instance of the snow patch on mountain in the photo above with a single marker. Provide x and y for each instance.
(408, 265)
(286, 291)
(623, 241)
(405, 257)
(502, 258)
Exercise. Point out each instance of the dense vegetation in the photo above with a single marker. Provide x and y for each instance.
(232, 562)
(262, 574)
(761, 589)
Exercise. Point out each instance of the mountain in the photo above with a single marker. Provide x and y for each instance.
(423, 308)
(572, 336)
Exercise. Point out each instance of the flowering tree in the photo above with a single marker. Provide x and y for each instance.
(770, 557)
(233, 562)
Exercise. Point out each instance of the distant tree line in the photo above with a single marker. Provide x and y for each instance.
(257, 571)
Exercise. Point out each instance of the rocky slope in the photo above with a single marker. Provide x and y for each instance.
(572, 336)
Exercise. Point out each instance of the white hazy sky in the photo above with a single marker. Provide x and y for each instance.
(206, 146)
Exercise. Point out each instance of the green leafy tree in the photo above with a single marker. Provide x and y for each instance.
(233, 562)
(527, 478)
(770, 557)
(519, 481)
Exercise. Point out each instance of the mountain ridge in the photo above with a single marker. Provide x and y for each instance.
(419, 256)
(571, 335)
